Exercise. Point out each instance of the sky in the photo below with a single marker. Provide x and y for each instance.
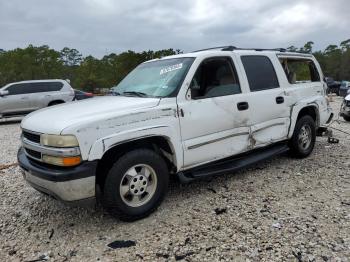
(100, 27)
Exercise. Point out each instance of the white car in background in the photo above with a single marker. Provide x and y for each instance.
(21, 98)
(345, 108)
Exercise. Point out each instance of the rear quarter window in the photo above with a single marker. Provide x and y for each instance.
(260, 73)
(300, 70)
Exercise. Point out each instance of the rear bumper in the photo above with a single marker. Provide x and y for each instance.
(73, 185)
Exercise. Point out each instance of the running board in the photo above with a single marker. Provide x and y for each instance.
(232, 164)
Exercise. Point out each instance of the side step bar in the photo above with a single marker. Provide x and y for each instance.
(232, 164)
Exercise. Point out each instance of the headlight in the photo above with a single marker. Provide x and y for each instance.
(62, 161)
(58, 141)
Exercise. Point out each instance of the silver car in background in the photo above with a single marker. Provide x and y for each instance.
(21, 98)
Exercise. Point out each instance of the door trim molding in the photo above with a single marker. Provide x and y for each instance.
(216, 140)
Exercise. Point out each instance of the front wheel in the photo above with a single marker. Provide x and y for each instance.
(135, 185)
(304, 136)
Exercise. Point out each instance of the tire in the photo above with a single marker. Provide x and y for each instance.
(346, 118)
(55, 103)
(304, 136)
(128, 200)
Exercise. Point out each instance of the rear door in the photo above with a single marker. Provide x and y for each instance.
(212, 125)
(44, 93)
(269, 117)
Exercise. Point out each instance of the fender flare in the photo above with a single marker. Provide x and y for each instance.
(296, 109)
(102, 145)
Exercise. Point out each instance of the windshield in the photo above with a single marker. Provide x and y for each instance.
(159, 78)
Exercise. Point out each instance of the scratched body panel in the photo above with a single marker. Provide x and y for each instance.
(161, 120)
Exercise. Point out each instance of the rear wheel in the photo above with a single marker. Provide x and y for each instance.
(303, 140)
(135, 185)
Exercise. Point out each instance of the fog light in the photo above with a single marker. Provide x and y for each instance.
(62, 161)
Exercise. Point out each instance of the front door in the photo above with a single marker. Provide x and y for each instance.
(16, 102)
(212, 115)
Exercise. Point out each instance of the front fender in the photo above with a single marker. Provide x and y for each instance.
(102, 145)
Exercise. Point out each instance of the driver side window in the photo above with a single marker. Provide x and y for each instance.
(215, 77)
(18, 89)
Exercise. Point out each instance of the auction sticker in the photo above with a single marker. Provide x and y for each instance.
(170, 68)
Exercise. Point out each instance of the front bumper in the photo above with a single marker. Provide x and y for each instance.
(74, 185)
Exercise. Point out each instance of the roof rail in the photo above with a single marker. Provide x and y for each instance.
(232, 48)
(217, 47)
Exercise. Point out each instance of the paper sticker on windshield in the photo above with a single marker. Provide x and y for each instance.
(170, 68)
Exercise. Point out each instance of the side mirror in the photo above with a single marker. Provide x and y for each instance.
(4, 92)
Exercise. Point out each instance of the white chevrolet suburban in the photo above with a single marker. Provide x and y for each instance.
(192, 115)
(21, 98)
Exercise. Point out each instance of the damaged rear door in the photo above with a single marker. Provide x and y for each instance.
(270, 114)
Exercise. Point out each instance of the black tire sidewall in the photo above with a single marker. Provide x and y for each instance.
(111, 195)
(295, 147)
(346, 118)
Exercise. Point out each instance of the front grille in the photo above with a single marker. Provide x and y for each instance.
(34, 154)
(31, 137)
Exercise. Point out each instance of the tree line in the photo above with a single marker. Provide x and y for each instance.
(90, 73)
(85, 73)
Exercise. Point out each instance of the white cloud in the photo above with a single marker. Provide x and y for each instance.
(101, 26)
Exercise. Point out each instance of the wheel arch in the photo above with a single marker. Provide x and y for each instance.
(310, 109)
(157, 143)
(56, 102)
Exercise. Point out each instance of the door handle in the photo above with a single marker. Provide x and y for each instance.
(242, 106)
(280, 100)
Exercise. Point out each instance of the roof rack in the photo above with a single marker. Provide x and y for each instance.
(232, 48)
(217, 47)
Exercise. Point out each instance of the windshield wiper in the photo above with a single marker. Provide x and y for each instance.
(135, 93)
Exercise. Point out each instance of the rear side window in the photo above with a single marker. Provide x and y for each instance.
(260, 73)
(300, 70)
(46, 87)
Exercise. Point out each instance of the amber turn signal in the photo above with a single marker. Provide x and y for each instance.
(62, 161)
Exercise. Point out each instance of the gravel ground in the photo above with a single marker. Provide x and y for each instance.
(281, 210)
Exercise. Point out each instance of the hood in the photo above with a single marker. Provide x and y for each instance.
(52, 120)
(347, 98)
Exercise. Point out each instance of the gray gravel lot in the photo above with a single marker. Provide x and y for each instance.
(280, 210)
